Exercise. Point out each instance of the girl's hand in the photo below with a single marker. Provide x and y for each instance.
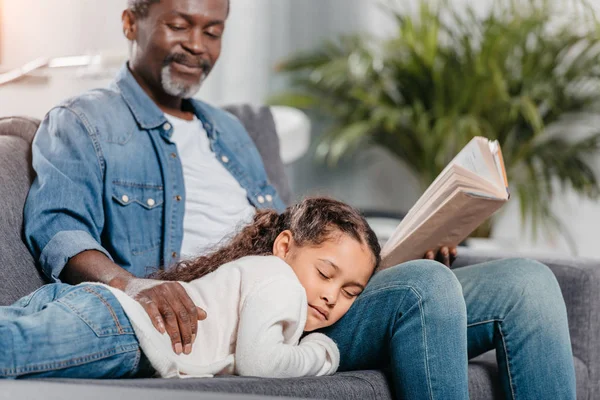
(446, 255)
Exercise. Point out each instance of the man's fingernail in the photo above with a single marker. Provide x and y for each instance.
(193, 338)
(188, 349)
(178, 348)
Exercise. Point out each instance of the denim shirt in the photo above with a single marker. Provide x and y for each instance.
(109, 178)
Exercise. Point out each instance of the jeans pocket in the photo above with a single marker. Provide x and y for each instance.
(99, 309)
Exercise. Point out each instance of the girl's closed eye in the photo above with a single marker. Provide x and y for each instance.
(324, 276)
(350, 294)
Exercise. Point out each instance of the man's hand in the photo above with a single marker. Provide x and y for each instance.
(446, 255)
(170, 309)
(167, 303)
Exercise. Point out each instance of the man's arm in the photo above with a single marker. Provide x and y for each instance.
(64, 218)
(167, 303)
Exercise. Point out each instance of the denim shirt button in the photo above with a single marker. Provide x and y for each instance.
(125, 198)
(167, 126)
(269, 198)
(260, 199)
(151, 202)
(225, 159)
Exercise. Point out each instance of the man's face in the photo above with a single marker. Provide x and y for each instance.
(177, 44)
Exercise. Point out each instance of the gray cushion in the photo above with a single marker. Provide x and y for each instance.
(359, 385)
(25, 390)
(18, 274)
(259, 123)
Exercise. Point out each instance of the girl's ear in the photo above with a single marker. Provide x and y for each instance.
(283, 244)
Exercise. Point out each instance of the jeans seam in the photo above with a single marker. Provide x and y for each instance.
(110, 309)
(425, 342)
(484, 322)
(68, 363)
(510, 382)
(136, 363)
(422, 315)
(381, 289)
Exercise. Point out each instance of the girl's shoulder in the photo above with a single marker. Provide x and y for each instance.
(263, 269)
(269, 265)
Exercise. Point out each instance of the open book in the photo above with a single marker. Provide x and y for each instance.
(467, 192)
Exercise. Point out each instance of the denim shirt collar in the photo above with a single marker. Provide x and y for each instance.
(145, 111)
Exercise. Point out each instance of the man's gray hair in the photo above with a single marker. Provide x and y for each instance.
(140, 7)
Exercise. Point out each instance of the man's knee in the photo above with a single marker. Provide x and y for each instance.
(528, 276)
(535, 290)
(429, 283)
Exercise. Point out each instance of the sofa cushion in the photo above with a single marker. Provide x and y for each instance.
(18, 273)
(359, 385)
(483, 383)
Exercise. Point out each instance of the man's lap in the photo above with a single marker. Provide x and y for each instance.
(488, 290)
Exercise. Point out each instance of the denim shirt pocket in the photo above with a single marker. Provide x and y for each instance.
(140, 207)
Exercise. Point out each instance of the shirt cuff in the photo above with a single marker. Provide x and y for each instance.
(333, 353)
(62, 247)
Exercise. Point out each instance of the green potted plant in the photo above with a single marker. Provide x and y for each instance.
(513, 75)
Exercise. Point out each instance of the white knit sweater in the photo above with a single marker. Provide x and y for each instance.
(256, 313)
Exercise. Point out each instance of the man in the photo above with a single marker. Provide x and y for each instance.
(132, 177)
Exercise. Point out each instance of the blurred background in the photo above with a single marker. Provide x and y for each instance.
(523, 72)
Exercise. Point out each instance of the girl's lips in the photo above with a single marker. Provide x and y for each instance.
(320, 312)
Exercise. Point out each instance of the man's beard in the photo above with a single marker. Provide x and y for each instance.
(177, 88)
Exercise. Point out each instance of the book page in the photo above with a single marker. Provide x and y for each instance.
(456, 177)
(466, 192)
(448, 226)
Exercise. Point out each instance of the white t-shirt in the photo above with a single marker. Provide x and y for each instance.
(256, 313)
(215, 205)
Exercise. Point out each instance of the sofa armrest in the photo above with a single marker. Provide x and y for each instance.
(579, 280)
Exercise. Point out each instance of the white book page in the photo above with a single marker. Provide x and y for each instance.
(455, 177)
(473, 157)
(476, 169)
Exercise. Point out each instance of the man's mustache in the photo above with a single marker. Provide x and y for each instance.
(188, 61)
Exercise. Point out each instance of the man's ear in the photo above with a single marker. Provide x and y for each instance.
(129, 25)
(283, 244)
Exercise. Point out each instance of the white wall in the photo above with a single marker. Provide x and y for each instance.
(259, 33)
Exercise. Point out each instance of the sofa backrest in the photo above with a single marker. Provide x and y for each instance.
(18, 273)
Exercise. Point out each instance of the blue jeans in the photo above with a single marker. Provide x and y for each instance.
(425, 321)
(69, 331)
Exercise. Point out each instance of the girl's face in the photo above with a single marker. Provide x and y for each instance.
(333, 274)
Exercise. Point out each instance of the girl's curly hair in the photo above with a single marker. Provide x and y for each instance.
(312, 222)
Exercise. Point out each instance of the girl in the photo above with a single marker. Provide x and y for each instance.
(281, 277)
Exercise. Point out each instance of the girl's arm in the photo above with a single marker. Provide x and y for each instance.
(272, 315)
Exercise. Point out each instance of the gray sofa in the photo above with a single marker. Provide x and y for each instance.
(579, 280)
